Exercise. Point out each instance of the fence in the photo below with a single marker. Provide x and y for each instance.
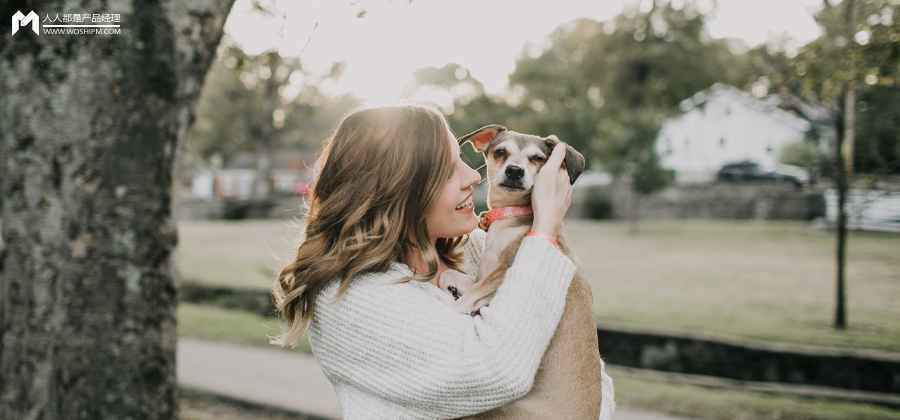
(866, 209)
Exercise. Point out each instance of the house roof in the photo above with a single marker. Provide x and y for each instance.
(720, 91)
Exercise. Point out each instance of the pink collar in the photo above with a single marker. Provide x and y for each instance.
(493, 215)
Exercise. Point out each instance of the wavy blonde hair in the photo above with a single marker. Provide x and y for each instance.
(376, 177)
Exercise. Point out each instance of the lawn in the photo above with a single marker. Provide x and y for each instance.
(764, 281)
(235, 254)
(218, 324)
(723, 404)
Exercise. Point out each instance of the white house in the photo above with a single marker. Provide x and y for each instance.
(724, 124)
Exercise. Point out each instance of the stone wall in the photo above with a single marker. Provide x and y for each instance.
(854, 370)
(712, 201)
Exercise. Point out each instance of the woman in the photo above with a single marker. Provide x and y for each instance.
(388, 212)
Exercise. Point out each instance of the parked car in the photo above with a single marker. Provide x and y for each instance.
(749, 171)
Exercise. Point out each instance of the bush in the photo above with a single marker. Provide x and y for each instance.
(598, 205)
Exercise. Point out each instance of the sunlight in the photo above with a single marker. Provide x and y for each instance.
(383, 42)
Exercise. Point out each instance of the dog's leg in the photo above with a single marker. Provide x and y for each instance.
(485, 288)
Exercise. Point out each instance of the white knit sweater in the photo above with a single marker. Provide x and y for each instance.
(396, 350)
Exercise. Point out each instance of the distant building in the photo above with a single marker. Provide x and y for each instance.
(290, 172)
(724, 124)
(231, 183)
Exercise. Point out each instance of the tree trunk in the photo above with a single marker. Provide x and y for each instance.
(844, 162)
(263, 183)
(634, 212)
(840, 311)
(90, 125)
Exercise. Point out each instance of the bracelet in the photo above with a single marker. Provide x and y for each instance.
(545, 236)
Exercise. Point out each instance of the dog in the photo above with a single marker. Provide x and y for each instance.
(568, 381)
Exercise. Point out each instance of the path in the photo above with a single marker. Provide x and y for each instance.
(289, 380)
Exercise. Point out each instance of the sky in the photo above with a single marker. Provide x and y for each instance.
(395, 37)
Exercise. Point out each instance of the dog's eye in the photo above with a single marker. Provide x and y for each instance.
(537, 159)
(499, 153)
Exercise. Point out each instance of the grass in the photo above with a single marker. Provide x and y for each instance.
(213, 323)
(236, 327)
(765, 281)
(235, 254)
(719, 404)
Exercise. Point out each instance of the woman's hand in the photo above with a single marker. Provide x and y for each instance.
(552, 194)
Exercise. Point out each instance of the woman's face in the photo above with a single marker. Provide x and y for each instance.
(453, 212)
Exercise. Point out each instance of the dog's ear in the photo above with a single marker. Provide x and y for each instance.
(482, 137)
(574, 161)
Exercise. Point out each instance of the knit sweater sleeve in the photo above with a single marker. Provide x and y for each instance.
(472, 251)
(397, 342)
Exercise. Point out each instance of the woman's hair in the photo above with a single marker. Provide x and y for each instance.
(376, 176)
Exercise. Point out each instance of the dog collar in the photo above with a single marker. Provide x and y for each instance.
(493, 215)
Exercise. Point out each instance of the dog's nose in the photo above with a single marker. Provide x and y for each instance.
(514, 172)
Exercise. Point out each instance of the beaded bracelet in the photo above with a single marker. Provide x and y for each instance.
(545, 236)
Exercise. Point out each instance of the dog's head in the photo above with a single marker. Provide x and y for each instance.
(513, 159)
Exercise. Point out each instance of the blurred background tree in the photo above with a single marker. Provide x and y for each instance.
(607, 87)
(868, 53)
(852, 70)
(262, 103)
(595, 84)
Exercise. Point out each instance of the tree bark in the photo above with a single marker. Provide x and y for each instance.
(90, 127)
(840, 310)
(844, 168)
(634, 212)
